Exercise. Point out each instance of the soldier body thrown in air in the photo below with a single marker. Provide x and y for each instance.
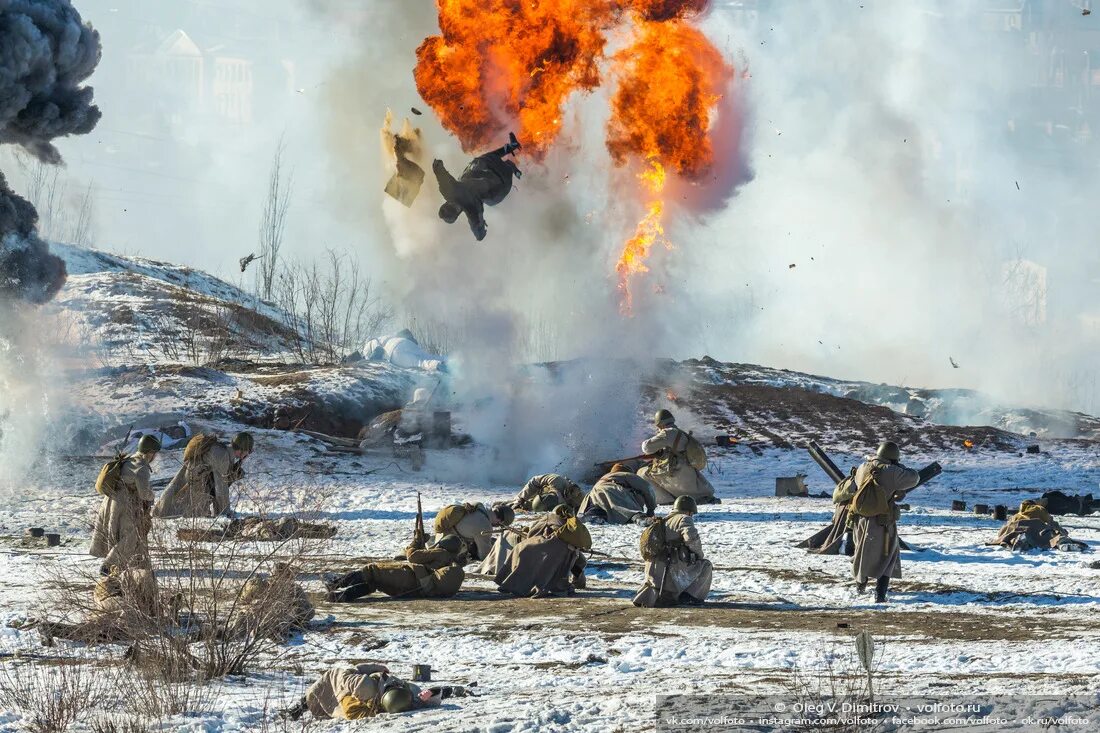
(486, 181)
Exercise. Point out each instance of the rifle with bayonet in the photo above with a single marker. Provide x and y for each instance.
(420, 537)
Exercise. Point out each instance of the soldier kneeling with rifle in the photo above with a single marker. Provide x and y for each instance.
(675, 571)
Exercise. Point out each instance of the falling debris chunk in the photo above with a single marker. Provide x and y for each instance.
(415, 111)
(401, 153)
(1017, 185)
(1086, 11)
(246, 261)
(791, 266)
(953, 362)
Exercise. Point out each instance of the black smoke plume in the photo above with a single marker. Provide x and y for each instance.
(46, 54)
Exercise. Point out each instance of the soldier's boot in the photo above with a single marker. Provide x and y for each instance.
(666, 600)
(579, 581)
(861, 587)
(686, 599)
(881, 586)
(296, 711)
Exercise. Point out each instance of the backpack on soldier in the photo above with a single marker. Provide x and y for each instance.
(696, 456)
(110, 476)
(845, 489)
(870, 499)
(574, 534)
(198, 447)
(449, 517)
(652, 543)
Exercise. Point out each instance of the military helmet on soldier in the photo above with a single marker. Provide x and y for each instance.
(663, 418)
(545, 502)
(243, 442)
(685, 505)
(889, 451)
(397, 700)
(504, 514)
(148, 444)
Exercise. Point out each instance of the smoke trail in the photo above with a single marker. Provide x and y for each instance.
(46, 54)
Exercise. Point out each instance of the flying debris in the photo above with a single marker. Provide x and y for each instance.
(246, 261)
(953, 362)
(486, 181)
(415, 111)
(401, 154)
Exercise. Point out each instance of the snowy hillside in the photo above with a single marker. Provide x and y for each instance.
(777, 615)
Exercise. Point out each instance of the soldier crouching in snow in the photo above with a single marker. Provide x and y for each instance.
(675, 571)
(201, 487)
(677, 466)
(364, 691)
(121, 532)
(880, 483)
(549, 560)
(619, 497)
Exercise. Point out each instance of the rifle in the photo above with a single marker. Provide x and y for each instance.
(642, 457)
(825, 462)
(420, 538)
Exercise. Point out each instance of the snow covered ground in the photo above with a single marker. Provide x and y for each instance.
(962, 619)
(965, 618)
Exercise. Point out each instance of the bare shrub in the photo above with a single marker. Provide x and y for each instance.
(332, 306)
(841, 680)
(273, 223)
(51, 697)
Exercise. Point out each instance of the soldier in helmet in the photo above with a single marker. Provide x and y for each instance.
(121, 532)
(681, 575)
(485, 182)
(434, 572)
(201, 486)
(474, 523)
(363, 691)
(877, 548)
(547, 491)
(671, 472)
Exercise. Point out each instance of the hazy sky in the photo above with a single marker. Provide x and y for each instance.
(895, 160)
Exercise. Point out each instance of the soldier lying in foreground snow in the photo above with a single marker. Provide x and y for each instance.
(365, 690)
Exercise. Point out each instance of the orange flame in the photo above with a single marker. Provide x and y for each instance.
(670, 80)
(968, 444)
(500, 65)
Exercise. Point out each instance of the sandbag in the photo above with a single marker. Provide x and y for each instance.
(449, 517)
(110, 476)
(575, 534)
(870, 499)
(198, 447)
(652, 543)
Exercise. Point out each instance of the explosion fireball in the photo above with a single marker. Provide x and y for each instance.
(513, 64)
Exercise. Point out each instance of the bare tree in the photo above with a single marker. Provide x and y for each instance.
(273, 223)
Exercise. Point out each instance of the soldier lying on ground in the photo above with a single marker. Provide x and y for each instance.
(258, 529)
(126, 606)
(620, 497)
(121, 532)
(486, 181)
(474, 523)
(548, 490)
(201, 487)
(434, 572)
(675, 571)
(880, 483)
(549, 560)
(672, 472)
(270, 608)
(1032, 528)
(1060, 504)
(365, 690)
